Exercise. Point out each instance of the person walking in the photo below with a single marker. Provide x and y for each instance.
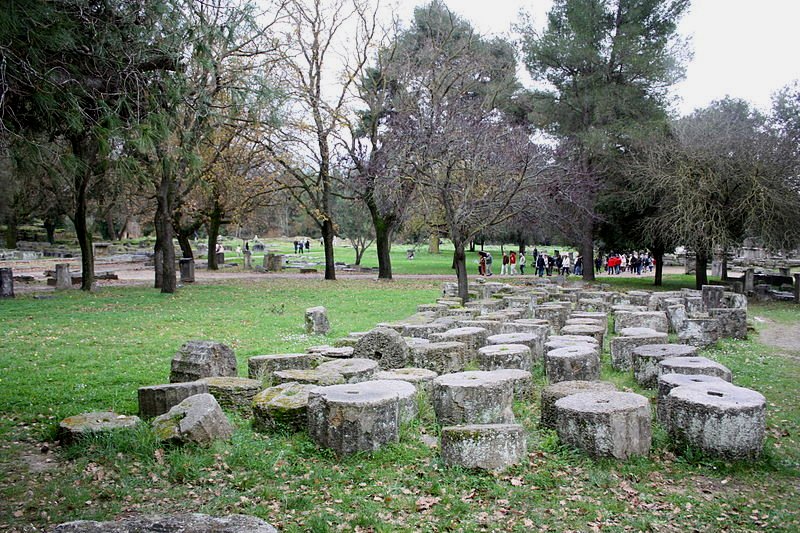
(504, 268)
(481, 264)
(488, 264)
(565, 265)
(522, 262)
(512, 263)
(540, 264)
(579, 265)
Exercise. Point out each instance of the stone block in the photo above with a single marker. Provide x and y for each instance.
(197, 419)
(75, 427)
(158, 399)
(472, 338)
(622, 347)
(202, 359)
(385, 346)
(441, 357)
(721, 420)
(693, 366)
(647, 357)
(356, 417)
(283, 407)
(310, 376)
(492, 326)
(332, 352)
(555, 314)
(712, 296)
(6, 283)
(421, 378)
(656, 320)
(552, 393)
(424, 331)
(699, 331)
(638, 297)
(63, 277)
(667, 382)
(353, 370)
(592, 315)
(595, 331)
(731, 323)
(492, 447)
(317, 321)
(572, 363)
(234, 393)
(534, 341)
(521, 381)
(262, 366)
(676, 314)
(498, 356)
(476, 397)
(408, 406)
(171, 523)
(605, 424)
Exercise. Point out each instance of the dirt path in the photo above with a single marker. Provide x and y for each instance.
(783, 336)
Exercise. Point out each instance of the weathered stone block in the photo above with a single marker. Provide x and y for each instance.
(421, 378)
(158, 399)
(472, 338)
(317, 321)
(622, 347)
(552, 393)
(441, 357)
(492, 447)
(283, 407)
(234, 393)
(311, 376)
(667, 382)
(647, 357)
(595, 331)
(354, 370)
(476, 397)
(353, 418)
(693, 366)
(534, 341)
(656, 320)
(505, 356)
(198, 419)
(731, 323)
(712, 296)
(76, 427)
(385, 346)
(262, 366)
(721, 420)
(333, 352)
(202, 359)
(605, 424)
(572, 363)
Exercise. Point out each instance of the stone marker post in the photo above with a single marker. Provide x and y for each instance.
(797, 288)
(248, 260)
(186, 265)
(749, 280)
(63, 276)
(6, 283)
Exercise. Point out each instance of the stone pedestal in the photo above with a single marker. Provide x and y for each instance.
(534, 342)
(731, 323)
(63, 276)
(202, 359)
(656, 320)
(492, 447)
(421, 378)
(248, 260)
(721, 420)
(694, 365)
(572, 363)
(552, 393)
(234, 393)
(158, 399)
(441, 357)
(605, 424)
(353, 418)
(596, 331)
(622, 347)
(647, 357)
(273, 262)
(473, 398)
(317, 321)
(472, 338)
(186, 265)
(6, 283)
(505, 356)
(667, 382)
(712, 297)
(699, 331)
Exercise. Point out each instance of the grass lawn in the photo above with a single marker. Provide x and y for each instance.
(78, 352)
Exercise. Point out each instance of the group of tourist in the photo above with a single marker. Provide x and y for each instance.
(543, 263)
(633, 263)
(299, 246)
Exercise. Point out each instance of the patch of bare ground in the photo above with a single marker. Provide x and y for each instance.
(783, 336)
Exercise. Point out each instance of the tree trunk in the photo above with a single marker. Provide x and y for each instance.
(185, 244)
(433, 245)
(359, 253)
(164, 235)
(50, 228)
(587, 251)
(158, 264)
(112, 232)
(84, 235)
(521, 246)
(658, 256)
(701, 265)
(383, 241)
(214, 223)
(460, 264)
(724, 265)
(327, 239)
(472, 245)
(12, 233)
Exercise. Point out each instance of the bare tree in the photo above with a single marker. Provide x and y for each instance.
(303, 143)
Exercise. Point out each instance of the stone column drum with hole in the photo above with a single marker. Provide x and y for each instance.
(552, 393)
(722, 420)
(656, 320)
(647, 357)
(473, 397)
(532, 341)
(473, 338)
(605, 424)
(667, 382)
(622, 346)
(492, 447)
(591, 330)
(498, 356)
(572, 363)
(357, 417)
(694, 365)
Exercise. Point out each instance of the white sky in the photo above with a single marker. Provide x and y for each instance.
(742, 48)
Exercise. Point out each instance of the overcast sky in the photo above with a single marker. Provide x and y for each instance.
(742, 48)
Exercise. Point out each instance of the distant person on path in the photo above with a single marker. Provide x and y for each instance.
(551, 262)
(540, 265)
(579, 266)
(308, 245)
(512, 263)
(598, 264)
(504, 268)
(522, 262)
(488, 264)
(565, 264)
(294, 243)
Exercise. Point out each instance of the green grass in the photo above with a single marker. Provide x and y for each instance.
(79, 352)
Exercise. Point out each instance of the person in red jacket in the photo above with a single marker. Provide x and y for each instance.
(512, 263)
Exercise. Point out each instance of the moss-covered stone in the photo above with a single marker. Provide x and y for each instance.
(282, 407)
